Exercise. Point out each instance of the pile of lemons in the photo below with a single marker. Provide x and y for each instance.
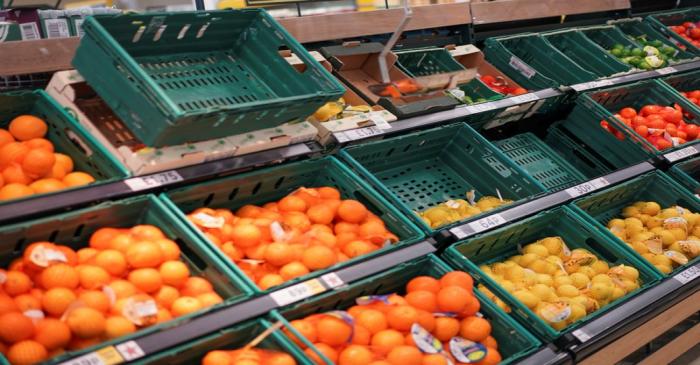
(458, 209)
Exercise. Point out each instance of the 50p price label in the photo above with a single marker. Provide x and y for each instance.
(152, 181)
(587, 187)
(485, 223)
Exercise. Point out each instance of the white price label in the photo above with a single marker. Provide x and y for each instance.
(592, 85)
(687, 275)
(362, 133)
(681, 154)
(587, 187)
(332, 280)
(297, 292)
(666, 70)
(458, 232)
(478, 108)
(89, 359)
(485, 223)
(524, 98)
(379, 120)
(581, 335)
(152, 181)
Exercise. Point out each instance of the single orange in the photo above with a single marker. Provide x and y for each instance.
(169, 249)
(166, 296)
(426, 320)
(60, 275)
(14, 174)
(15, 191)
(52, 333)
(78, 179)
(446, 328)
(209, 299)
(87, 255)
(333, 331)
(13, 152)
(57, 172)
(345, 227)
(422, 299)
(352, 211)
(248, 211)
(147, 280)
(195, 286)
(174, 273)
(147, 232)
(27, 302)
(310, 196)
(5, 137)
(163, 315)
(327, 192)
(255, 252)
(453, 299)
(26, 127)
(297, 220)
(96, 299)
(434, 359)
(405, 355)
(65, 162)
(475, 328)
(490, 342)
(217, 357)
(292, 203)
(402, 317)
(361, 335)
(185, 305)
(93, 277)
(17, 283)
(118, 326)
(55, 301)
(7, 304)
(320, 213)
(423, 283)
(26, 353)
(15, 327)
(121, 242)
(457, 278)
(143, 254)
(293, 270)
(270, 280)
(122, 288)
(112, 261)
(305, 329)
(43, 186)
(384, 341)
(373, 320)
(355, 355)
(318, 257)
(471, 309)
(86, 322)
(327, 351)
(38, 162)
(101, 238)
(231, 251)
(40, 143)
(358, 248)
(246, 235)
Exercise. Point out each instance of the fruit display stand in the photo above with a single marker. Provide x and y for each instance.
(637, 28)
(665, 20)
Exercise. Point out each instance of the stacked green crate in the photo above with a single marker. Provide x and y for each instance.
(503, 243)
(624, 48)
(687, 173)
(586, 53)
(645, 34)
(662, 22)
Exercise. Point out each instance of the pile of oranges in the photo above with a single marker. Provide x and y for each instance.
(308, 230)
(380, 330)
(28, 163)
(247, 357)
(54, 299)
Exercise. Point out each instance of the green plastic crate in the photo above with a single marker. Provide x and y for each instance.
(540, 161)
(605, 103)
(600, 207)
(514, 342)
(585, 52)
(68, 136)
(687, 173)
(687, 81)
(271, 184)
(498, 245)
(533, 63)
(635, 27)
(662, 21)
(232, 338)
(191, 76)
(74, 229)
(423, 169)
(606, 36)
(577, 152)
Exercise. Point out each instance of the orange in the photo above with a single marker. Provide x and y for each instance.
(147, 280)
(372, 229)
(457, 278)
(453, 299)
(27, 302)
(291, 203)
(15, 191)
(402, 317)
(52, 333)
(5, 137)
(278, 254)
(55, 301)
(248, 211)
(147, 232)
(60, 275)
(309, 195)
(333, 331)
(320, 214)
(405, 355)
(195, 286)
(380, 362)
(352, 211)
(26, 353)
(87, 255)
(57, 172)
(96, 299)
(324, 349)
(423, 283)
(42, 186)
(118, 326)
(121, 242)
(86, 322)
(14, 174)
(296, 220)
(64, 161)
(327, 192)
(217, 357)
(358, 248)
(2, 180)
(174, 273)
(360, 335)
(490, 342)
(166, 296)
(144, 254)
(71, 256)
(93, 277)
(231, 251)
(493, 357)
(422, 299)
(112, 261)
(384, 341)
(163, 316)
(185, 305)
(475, 329)
(13, 152)
(246, 235)
(26, 127)
(373, 320)
(426, 320)
(15, 327)
(355, 355)
(305, 329)
(345, 227)
(169, 249)
(38, 162)
(209, 299)
(471, 309)
(446, 328)
(40, 143)
(122, 288)
(7, 304)
(280, 358)
(434, 359)
(78, 179)
(255, 252)
(16, 283)
(102, 238)
(318, 257)
(270, 280)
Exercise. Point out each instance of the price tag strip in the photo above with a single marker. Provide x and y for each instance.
(587, 187)
(666, 70)
(593, 85)
(687, 275)
(681, 154)
(306, 289)
(581, 335)
(524, 98)
(153, 181)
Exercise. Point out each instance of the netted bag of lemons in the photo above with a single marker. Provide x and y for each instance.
(459, 209)
(560, 285)
(666, 237)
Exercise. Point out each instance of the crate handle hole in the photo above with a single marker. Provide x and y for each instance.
(233, 194)
(278, 183)
(183, 31)
(78, 142)
(139, 33)
(79, 231)
(208, 200)
(256, 188)
(202, 29)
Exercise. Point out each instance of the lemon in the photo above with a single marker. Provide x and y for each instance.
(554, 245)
(562, 280)
(536, 249)
(527, 298)
(651, 208)
(600, 266)
(579, 280)
(528, 259)
(567, 290)
(601, 291)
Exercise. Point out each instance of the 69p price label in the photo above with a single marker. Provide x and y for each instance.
(587, 187)
(485, 223)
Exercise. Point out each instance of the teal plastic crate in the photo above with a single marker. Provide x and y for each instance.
(662, 21)
(636, 28)
(75, 228)
(177, 77)
(271, 184)
(687, 173)
(607, 36)
(514, 342)
(586, 53)
(607, 102)
(687, 81)
(423, 169)
(67, 135)
(540, 161)
(232, 338)
(601, 207)
(502, 243)
(533, 63)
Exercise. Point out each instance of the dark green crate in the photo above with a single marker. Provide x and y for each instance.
(687, 173)
(533, 63)
(232, 338)
(502, 243)
(271, 184)
(586, 53)
(687, 81)
(514, 342)
(601, 207)
(74, 229)
(577, 152)
(423, 169)
(68, 136)
(605, 103)
(607, 36)
(635, 28)
(662, 21)
(539, 160)
(187, 76)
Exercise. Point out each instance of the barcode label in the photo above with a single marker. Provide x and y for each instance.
(30, 31)
(687, 275)
(379, 120)
(78, 24)
(681, 154)
(297, 292)
(581, 335)
(485, 223)
(587, 187)
(57, 28)
(666, 70)
(152, 181)
(362, 133)
(523, 67)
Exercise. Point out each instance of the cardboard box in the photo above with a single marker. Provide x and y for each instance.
(9, 31)
(71, 91)
(470, 56)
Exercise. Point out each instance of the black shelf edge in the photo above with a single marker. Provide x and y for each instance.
(72, 199)
(546, 356)
(639, 76)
